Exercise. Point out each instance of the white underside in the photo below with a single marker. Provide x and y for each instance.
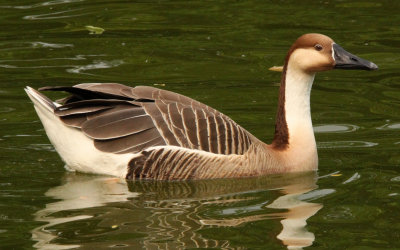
(76, 149)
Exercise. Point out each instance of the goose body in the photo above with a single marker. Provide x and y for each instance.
(147, 133)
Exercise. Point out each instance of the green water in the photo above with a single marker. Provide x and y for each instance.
(217, 52)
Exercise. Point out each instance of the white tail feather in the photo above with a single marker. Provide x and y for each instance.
(75, 148)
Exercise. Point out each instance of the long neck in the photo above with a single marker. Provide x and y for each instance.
(293, 123)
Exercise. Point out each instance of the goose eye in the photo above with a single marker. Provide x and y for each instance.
(318, 47)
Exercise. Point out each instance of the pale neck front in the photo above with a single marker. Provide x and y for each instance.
(297, 105)
(294, 116)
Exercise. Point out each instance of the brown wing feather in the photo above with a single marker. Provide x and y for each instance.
(123, 119)
(131, 143)
(118, 124)
(160, 123)
(74, 120)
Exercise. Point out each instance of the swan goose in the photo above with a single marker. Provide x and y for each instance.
(147, 133)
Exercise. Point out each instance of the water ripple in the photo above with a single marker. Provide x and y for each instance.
(6, 109)
(341, 114)
(243, 209)
(41, 147)
(33, 44)
(50, 45)
(8, 66)
(95, 65)
(352, 214)
(397, 179)
(354, 177)
(54, 15)
(19, 135)
(76, 58)
(71, 68)
(316, 194)
(47, 3)
(389, 126)
(346, 144)
(335, 128)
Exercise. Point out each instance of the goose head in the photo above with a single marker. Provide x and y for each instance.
(313, 53)
(310, 53)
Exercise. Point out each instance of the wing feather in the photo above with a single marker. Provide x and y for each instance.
(131, 143)
(118, 124)
(161, 124)
(122, 119)
(212, 133)
(189, 123)
(202, 130)
(221, 135)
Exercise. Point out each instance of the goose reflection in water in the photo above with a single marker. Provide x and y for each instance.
(97, 212)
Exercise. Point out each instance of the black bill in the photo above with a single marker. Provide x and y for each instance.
(346, 60)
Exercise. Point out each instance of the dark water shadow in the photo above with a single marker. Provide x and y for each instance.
(176, 215)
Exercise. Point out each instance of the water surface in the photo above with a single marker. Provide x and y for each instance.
(217, 52)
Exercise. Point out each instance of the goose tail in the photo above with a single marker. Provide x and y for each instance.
(40, 100)
(75, 148)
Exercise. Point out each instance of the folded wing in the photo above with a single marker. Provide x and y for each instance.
(121, 119)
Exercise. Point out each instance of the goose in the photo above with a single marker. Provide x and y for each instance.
(144, 132)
